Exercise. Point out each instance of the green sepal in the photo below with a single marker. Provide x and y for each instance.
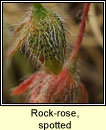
(53, 66)
(39, 11)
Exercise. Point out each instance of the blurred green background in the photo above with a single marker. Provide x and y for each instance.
(90, 66)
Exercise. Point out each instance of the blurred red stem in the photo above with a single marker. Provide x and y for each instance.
(81, 32)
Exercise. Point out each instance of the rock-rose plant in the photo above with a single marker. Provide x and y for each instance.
(43, 38)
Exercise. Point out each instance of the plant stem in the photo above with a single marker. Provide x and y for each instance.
(81, 32)
(72, 60)
(37, 5)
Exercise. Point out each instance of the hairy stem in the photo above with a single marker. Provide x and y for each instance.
(72, 61)
(81, 32)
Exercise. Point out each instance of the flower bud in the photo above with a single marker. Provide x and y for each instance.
(42, 38)
(42, 87)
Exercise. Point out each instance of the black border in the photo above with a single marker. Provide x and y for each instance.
(52, 104)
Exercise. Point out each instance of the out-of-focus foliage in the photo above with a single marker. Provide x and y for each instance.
(16, 68)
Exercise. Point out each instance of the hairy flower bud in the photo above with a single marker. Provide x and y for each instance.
(42, 38)
(42, 87)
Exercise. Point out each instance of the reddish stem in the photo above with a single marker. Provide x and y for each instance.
(81, 32)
